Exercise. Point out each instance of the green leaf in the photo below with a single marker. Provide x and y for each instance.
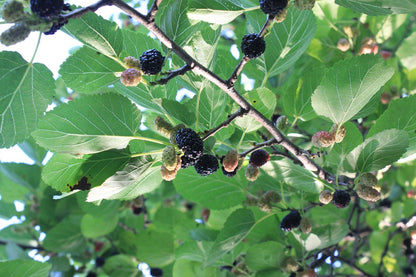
(266, 255)
(90, 124)
(18, 233)
(63, 171)
(24, 175)
(178, 110)
(184, 267)
(378, 151)
(400, 115)
(103, 35)
(261, 99)
(26, 89)
(121, 266)
(348, 86)
(88, 71)
(297, 94)
(93, 226)
(214, 191)
(7, 210)
(406, 52)
(379, 7)
(26, 268)
(134, 43)
(33, 150)
(287, 40)
(66, 236)
(172, 19)
(139, 176)
(237, 226)
(10, 191)
(155, 248)
(292, 174)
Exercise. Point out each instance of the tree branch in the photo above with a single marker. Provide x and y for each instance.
(227, 122)
(153, 10)
(172, 74)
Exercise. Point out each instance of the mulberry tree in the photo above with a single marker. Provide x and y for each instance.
(293, 153)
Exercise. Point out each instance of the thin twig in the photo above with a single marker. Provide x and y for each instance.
(224, 124)
(80, 12)
(172, 74)
(153, 10)
(270, 142)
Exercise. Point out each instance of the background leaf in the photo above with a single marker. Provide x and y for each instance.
(406, 52)
(348, 86)
(27, 268)
(26, 89)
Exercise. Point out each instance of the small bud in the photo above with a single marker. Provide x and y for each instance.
(169, 158)
(205, 214)
(132, 62)
(131, 77)
(323, 139)
(250, 201)
(162, 126)
(17, 33)
(325, 197)
(230, 161)
(385, 98)
(305, 225)
(252, 173)
(368, 180)
(338, 132)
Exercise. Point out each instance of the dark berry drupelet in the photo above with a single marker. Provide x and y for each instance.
(290, 221)
(229, 174)
(55, 27)
(151, 62)
(253, 45)
(272, 7)
(259, 157)
(187, 161)
(341, 198)
(47, 9)
(99, 261)
(91, 274)
(206, 165)
(190, 143)
(156, 272)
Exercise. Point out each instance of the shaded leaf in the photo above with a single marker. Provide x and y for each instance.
(27, 268)
(266, 255)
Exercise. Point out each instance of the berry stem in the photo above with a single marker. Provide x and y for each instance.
(267, 143)
(224, 124)
(172, 74)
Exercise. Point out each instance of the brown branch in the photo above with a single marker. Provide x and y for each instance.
(153, 10)
(80, 12)
(227, 122)
(172, 74)
(267, 143)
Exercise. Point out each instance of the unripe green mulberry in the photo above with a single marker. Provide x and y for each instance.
(323, 139)
(169, 158)
(251, 201)
(12, 11)
(132, 62)
(281, 122)
(281, 16)
(131, 77)
(289, 264)
(304, 4)
(252, 172)
(230, 161)
(169, 175)
(272, 197)
(368, 193)
(264, 205)
(162, 126)
(17, 33)
(305, 225)
(325, 197)
(338, 132)
(368, 180)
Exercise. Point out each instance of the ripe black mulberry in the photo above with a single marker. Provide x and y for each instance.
(156, 272)
(206, 165)
(190, 143)
(47, 9)
(272, 7)
(151, 62)
(253, 45)
(341, 198)
(290, 221)
(259, 158)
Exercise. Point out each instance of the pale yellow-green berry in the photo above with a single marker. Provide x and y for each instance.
(11, 11)
(17, 33)
(252, 172)
(162, 126)
(304, 4)
(169, 157)
(338, 132)
(230, 161)
(325, 197)
(305, 225)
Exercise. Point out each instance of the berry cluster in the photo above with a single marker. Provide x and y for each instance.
(339, 198)
(367, 188)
